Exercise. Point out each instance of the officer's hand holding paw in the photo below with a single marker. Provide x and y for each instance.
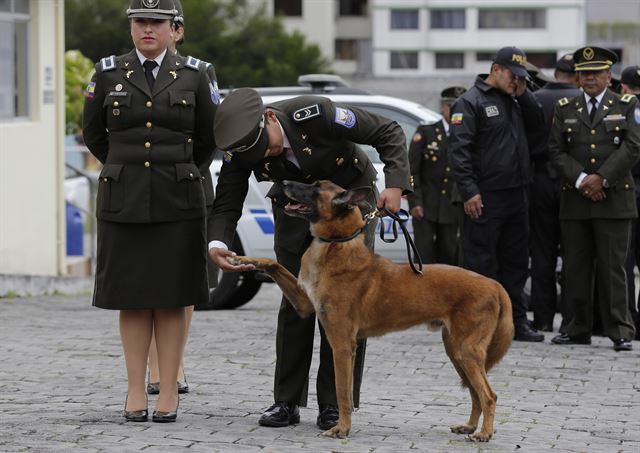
(224, 259)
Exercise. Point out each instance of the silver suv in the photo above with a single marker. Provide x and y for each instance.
(254, 234)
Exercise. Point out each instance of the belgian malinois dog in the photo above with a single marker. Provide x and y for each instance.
(357, 294)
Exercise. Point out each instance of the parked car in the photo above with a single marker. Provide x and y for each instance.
(254, 234)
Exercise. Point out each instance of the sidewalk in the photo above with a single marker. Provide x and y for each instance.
(62, 387)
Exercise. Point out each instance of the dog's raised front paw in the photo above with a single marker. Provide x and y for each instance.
(463, 429)
(337, 431)
(259, 263)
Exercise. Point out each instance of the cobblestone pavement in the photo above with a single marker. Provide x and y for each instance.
(62, 388)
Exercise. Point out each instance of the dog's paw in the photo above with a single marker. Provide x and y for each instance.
(259, 263)
(463, 429)
(480, 436)
(337, 432)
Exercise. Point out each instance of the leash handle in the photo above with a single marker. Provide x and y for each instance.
(411, 246)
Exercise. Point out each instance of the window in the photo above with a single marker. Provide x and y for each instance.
(346, 49)
(449, 60)
(353, 7)
(542, 59)
(448, 18)
(404, 60)
(14, 52)
(404, 19)
(512, 18)
(485, 56)
(288, 7)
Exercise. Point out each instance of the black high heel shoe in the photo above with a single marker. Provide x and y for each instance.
(183, 387)
(166, 417)
(135, 416)
(153, 388)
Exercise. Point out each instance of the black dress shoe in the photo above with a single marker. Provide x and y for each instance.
(135, 416)
(165, 417)
(622, 344)
(327, 417)
(280, 414)
(525, 332)
(563, 338)
(153, 388)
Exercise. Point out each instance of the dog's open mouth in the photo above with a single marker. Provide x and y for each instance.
(298, 208)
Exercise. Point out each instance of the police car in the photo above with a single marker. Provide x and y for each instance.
(254, 234)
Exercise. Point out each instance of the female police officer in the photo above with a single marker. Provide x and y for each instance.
(147, 118)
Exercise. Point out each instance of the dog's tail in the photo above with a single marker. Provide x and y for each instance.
(503, 335)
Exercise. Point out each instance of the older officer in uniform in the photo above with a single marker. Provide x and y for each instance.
(434, 216)
(153, 386)
(492, 128)
(308, 138)
(630, 84)
(545, 205)
(147, 118)
(595, 141)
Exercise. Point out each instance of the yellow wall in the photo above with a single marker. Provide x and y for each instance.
(32, 228)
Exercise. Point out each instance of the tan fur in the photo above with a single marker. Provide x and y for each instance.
(356, 294)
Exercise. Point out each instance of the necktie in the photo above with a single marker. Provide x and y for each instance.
(594, 109)
(149, 66)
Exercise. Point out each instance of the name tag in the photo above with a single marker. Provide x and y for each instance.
(570, 121)
(491, 110)
(117, 93)
(615, 117)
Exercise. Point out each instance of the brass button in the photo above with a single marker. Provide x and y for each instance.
(189, 140)
(593, 160)
(593, 132)
(116, 103)
(184, 102)
(617, 128)
(190, 175)
(444, 191)
(445, 180)
(626, 186)
(147, 164)
(147, 145)
(105, 179)
(593, 146)
(447, 169)
(569, 130)
(149, 124)
(355, 161)
(149, 104)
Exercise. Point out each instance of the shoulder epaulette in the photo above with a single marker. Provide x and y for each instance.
(306, 113)
(627, 98)
(563, 101)
(192, 63)
(108, 63)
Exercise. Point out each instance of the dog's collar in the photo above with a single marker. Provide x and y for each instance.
(345, 239)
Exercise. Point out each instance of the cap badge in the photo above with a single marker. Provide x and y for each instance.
(518, 58)
(150, 3)
(588, 53)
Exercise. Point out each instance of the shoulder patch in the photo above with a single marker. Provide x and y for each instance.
(456, 118)
(345, 117)
(306, 113)
(627, 98)
(563, 101)
(108, 63)
(215, 94)
(192, 63)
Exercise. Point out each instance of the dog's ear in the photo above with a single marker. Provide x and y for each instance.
(353, 197)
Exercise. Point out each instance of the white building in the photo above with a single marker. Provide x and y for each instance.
(411, 38)
(32, 223)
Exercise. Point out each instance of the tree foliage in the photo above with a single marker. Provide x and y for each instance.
(246, 46)
(78, 70)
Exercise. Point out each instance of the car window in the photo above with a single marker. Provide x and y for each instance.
(408, 123)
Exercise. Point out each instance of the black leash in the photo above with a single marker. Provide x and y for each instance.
(398, 220)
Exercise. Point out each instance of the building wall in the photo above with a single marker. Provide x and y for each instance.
(32, 229)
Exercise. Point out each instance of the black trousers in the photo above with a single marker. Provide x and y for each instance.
(496, 244)
(596, 250)
(544, 242)
(294, 336)
(436, 242)
(633, 260)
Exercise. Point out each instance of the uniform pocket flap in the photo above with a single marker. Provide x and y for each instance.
(615, 125)
(186, 98)
(187, 171)
(111, 171)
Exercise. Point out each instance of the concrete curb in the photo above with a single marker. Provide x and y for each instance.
(35, 285)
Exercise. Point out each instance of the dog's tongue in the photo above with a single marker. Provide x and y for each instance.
(295, 206)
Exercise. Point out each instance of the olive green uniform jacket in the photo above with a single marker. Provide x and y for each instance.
(153, 155)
